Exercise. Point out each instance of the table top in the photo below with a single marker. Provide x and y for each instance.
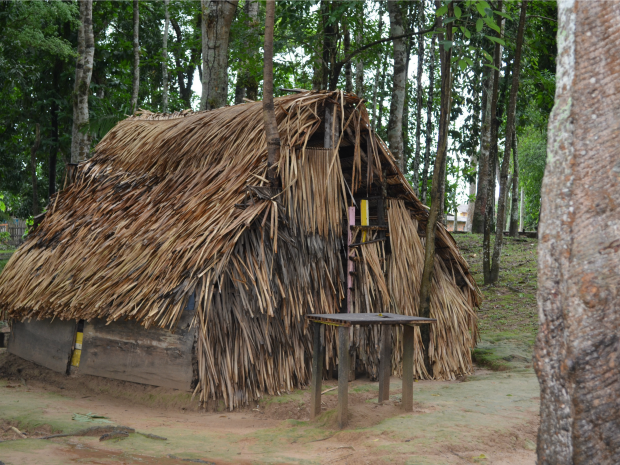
(368, 319)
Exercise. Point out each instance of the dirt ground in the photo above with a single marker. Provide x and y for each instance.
(488, 418)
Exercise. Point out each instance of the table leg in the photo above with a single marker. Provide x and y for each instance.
(343, 376)
(407, 402)
(385, 363)
(317, 371)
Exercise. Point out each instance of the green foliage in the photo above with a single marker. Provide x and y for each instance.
(532, 161)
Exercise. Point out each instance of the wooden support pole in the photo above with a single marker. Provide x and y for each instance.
(317, 371)
(385, 363)
(343, 376)
(407, 401)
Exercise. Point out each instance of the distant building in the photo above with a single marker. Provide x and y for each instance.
(461, 218)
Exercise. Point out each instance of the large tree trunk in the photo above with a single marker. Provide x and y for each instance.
(247, 85)
(217, 17)
(576, 355)
(135, 84)
(514, 210)
(429, 121)
(438, 176)
(80, 137)
(399, 81)
(33, 166)
(510, 127)
(415, 180)
(269, 115)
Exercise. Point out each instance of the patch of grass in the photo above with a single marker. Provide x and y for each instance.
(508, 316)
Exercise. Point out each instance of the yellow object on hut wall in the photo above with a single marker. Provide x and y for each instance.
(77, 352)
(365, 217)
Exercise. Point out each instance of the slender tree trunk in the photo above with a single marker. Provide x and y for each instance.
(381, 88)
(217, 17)
(436, 194)
(185, 91)
(475, 151)
(135, 84)
(418, 125)
(269, 115)
(80, 140)
(399, 82)
(359, 63)
(577, 347)
(514, 211)
(484, 173)
(348, 67)
(429, 121)
(164, 63)
(33, 166)
(489, 188)
(380, 68)
(522, 211)
(54, 123)
(246, 82)
(510, 127)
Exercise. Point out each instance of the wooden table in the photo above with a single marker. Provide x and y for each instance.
(344, 321)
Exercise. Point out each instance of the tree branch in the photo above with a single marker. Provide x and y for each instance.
(542, 17)
(354, 53)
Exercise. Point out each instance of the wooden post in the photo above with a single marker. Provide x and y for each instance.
(385, 363)
(349, 297)
(317, 371)
(343, 376)
(350, 262)
(407, 401)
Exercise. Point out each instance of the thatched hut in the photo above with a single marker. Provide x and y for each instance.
(172, 252)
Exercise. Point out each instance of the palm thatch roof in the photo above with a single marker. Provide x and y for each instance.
(176, 205)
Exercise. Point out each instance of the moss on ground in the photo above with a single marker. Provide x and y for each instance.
(508, 316)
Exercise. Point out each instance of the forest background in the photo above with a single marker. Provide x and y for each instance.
(205, 54)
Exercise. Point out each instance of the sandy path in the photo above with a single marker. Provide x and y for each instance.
(490, 419)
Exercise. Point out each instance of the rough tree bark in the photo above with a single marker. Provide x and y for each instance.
(438, 175)
(217, 17)
(418, 125)
(510, 127)
(377, 74)
(33, 165)
(80, 138)
(135, 81)
(164, 63)
(399, 81)
(576, 355)
(429, 121)
(269, 115)
(514, 210)
(247, 85)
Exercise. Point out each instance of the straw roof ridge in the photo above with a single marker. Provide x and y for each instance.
(157, 208)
